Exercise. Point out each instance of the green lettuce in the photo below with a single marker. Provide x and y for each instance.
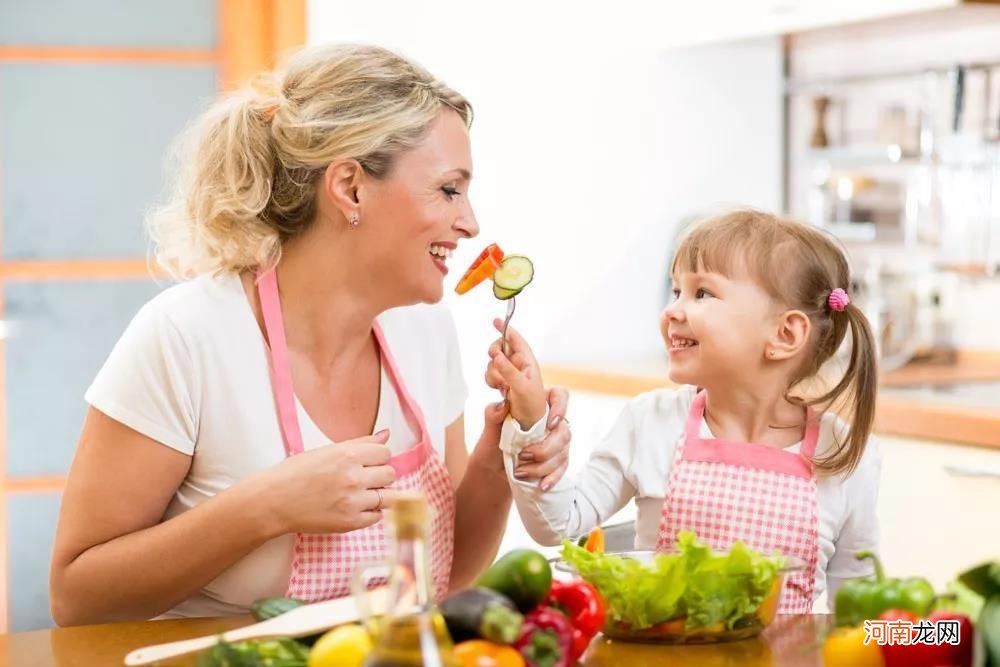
(704, 587)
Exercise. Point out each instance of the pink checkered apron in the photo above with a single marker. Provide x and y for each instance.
(324, 564)
(727, 491)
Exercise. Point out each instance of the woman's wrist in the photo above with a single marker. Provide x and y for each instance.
(253, 496)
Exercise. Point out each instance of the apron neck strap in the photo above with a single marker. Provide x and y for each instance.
(692, 428)
(281, 368)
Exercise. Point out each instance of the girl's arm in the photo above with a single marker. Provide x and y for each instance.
(572, 506)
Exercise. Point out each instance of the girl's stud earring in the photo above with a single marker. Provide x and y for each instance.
(354, 221)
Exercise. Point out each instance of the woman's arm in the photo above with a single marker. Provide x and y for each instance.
(116, 559)
(482, 499)
(113, 559)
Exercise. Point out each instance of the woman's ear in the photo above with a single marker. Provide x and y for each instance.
(790, 336)
(341, 181)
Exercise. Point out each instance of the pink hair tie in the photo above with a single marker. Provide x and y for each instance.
(838, 300)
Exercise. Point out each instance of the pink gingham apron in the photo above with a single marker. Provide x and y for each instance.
(324, 564)
(727, 491)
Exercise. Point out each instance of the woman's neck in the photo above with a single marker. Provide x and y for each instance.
(758, 414)
(328, 306)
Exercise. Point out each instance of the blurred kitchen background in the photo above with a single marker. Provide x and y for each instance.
(601, 130)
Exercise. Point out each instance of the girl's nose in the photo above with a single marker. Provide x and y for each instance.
(673, 311)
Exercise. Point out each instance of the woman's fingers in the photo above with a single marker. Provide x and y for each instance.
(552, 478)
(375, 477)
(538, 470)
(558, 404)
(556, 441)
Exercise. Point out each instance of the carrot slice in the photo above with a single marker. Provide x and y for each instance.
(595, 541)
(484, 267)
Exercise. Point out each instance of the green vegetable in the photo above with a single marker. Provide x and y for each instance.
(267, 608)
(704, 587)
(264, 653)
(864, 599)
(481, 613)
(504, 294)
(983, 579)
(515, 273)
(988, 631)
(523, 575)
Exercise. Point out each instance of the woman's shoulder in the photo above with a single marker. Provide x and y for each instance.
(199, 303)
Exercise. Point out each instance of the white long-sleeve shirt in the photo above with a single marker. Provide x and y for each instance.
(634, 461)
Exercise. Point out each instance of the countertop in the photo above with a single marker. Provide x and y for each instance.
(790, 641)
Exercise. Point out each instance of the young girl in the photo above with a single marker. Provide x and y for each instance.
(737, 452)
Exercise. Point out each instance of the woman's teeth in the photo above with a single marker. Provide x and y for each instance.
(441, 251)
(680, 343)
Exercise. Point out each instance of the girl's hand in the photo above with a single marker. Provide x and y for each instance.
(518, 377)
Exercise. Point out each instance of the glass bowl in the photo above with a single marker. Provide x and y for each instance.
(676, 631)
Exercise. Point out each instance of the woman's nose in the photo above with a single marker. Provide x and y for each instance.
(467, 225)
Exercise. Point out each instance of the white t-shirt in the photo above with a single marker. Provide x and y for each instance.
(634, 461)
(191, 371)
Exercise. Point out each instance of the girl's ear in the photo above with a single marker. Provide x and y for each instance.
(790, 336)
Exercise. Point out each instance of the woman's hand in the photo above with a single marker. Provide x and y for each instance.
(331, 489)
(548, 460)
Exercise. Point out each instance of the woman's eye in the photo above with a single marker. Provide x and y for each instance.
(450, 192)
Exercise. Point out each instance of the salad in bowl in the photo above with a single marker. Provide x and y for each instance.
(690, 595)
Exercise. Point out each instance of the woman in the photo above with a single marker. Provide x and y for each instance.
(202, 481)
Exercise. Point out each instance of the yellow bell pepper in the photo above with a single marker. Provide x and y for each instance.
(846, 646)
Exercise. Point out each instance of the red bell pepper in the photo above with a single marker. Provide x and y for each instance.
(484, 267)
(924, 654)
(585, 608)
(546, 638)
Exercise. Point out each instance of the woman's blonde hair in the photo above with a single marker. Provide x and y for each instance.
(249, 167)
(798, 266)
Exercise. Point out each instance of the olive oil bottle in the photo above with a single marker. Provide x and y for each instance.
(406, 636)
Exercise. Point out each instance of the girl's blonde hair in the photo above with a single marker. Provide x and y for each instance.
(248, 168)
(798, 266)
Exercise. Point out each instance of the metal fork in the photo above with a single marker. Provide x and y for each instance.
(511, 305)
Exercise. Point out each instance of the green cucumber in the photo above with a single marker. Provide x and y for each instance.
(261, 610)
(504, 294)
(523, 575)
(515, 273)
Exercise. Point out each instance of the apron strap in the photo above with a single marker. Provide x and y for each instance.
(281, 369)
(284, 393)
(747, 454)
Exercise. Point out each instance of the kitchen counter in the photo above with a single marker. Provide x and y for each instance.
(791, 641)
(949, 402)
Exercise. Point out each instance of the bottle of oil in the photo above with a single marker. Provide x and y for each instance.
(408, 636)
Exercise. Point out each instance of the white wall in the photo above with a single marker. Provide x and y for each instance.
(586, 152)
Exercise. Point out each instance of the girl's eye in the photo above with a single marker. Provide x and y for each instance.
(702, 293)
(676, 293)
(450, 192)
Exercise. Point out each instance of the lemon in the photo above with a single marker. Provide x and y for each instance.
(344, 646)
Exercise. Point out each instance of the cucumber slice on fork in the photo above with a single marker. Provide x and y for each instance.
(504, 294)
(514, 274)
